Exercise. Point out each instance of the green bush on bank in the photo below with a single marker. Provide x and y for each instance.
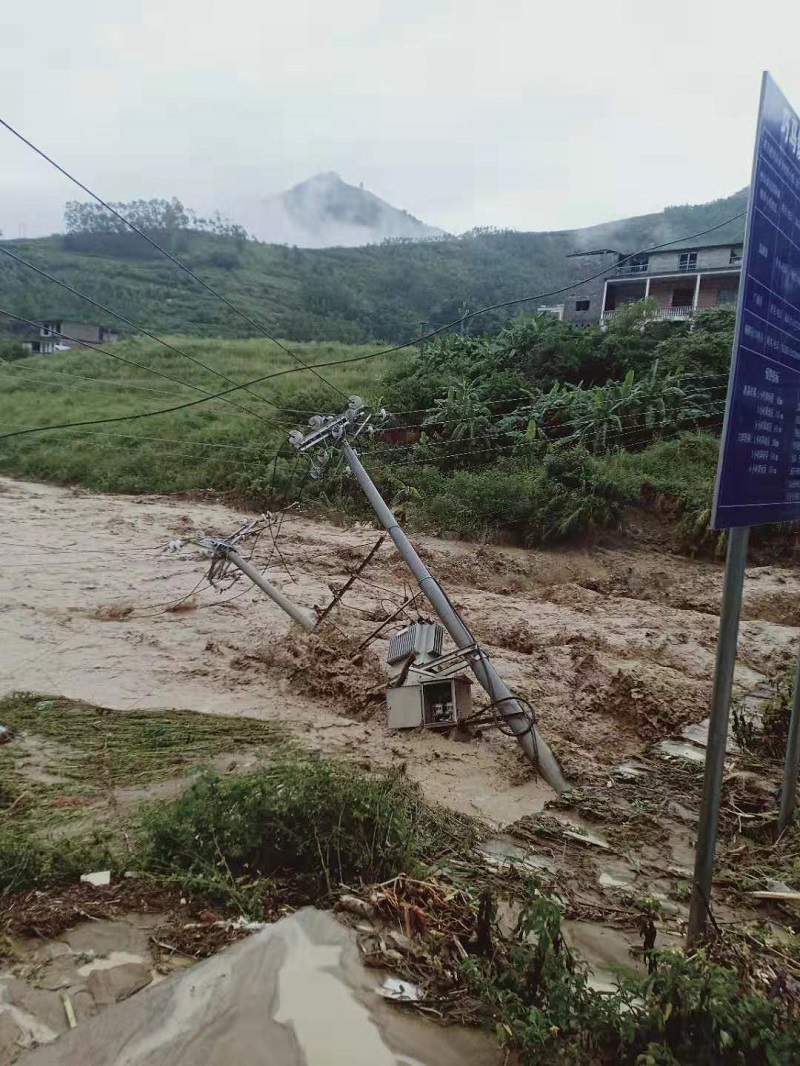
(568, 492)
(314, 822)
(538, 996)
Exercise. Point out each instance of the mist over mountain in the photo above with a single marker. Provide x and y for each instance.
(325, 212)
(386, 291)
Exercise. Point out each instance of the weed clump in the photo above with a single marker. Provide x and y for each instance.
(311, 824)
(27, 862)
(767, 735)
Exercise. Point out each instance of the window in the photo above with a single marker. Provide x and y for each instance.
(687, 261)
(727, 296)
(736, 257)
(683, 297)
(583, 305)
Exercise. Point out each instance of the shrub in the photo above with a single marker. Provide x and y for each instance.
(26, 862)
(567, 494)
(314, 823)
(768, 734)
(688, 1011)
(11, 351)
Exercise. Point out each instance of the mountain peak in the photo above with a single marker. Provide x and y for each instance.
(325, 211)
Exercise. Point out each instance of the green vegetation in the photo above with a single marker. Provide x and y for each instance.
(300, 829)
(105, 747)
(688, 1011)
(58, 812)
(314, 824)
(346, 294)
(537, 433)
(767, 733)
(212, 446)
(545, 431)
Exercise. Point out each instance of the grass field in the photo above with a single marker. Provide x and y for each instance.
(213, 445)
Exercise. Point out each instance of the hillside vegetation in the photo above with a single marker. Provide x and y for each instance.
(535, 434)
(213, 446)
(352, 295)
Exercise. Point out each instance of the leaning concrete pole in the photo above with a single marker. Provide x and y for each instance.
(529, 739)
(296, 613)
(219, 548)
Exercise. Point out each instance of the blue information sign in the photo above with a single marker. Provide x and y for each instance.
(758, 479)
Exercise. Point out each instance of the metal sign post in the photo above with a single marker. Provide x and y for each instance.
(718, 731)
(792, 763)
(758, 477)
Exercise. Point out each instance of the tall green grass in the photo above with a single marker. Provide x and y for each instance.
(211, 446)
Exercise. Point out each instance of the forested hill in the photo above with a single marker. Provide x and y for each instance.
(381, 291)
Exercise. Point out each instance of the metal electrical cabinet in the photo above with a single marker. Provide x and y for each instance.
(438, 704)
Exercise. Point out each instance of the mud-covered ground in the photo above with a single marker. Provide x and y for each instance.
(614, 648)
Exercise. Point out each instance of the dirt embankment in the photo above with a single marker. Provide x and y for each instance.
(614, 648)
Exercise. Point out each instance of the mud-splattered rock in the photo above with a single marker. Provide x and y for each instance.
(117, 983)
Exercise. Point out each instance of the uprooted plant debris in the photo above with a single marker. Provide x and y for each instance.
(637, 707)
(446, 942)
(480, 944)
(186, 926)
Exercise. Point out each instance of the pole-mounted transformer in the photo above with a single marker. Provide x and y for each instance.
(324, 436)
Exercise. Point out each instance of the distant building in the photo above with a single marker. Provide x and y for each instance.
(60, 334)
(682, 281)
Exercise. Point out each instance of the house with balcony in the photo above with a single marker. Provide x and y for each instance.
(681, 281)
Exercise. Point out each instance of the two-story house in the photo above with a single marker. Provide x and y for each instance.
(59, 335)
(681, 281)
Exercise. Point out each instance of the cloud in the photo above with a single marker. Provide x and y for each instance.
(465, 114)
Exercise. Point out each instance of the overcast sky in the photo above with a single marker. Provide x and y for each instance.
(504, 113)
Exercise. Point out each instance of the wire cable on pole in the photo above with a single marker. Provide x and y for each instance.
(351, 359)
(128, 322)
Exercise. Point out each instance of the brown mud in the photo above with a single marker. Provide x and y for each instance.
(614, 648)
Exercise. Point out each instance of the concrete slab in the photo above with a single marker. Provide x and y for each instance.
(294, 994)
(679, 749)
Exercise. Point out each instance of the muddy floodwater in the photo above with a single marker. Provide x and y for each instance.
(614, 647)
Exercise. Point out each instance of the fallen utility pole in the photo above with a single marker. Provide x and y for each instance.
(499, 693)
(219, 548)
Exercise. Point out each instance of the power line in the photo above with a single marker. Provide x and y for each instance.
(528, 398)
(357, 358)
(57, 376)
(280, 424)
(121, 318)
(539, 296)
(182, 266)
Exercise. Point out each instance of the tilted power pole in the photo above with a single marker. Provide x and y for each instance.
(221, 548)
(325, 433)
